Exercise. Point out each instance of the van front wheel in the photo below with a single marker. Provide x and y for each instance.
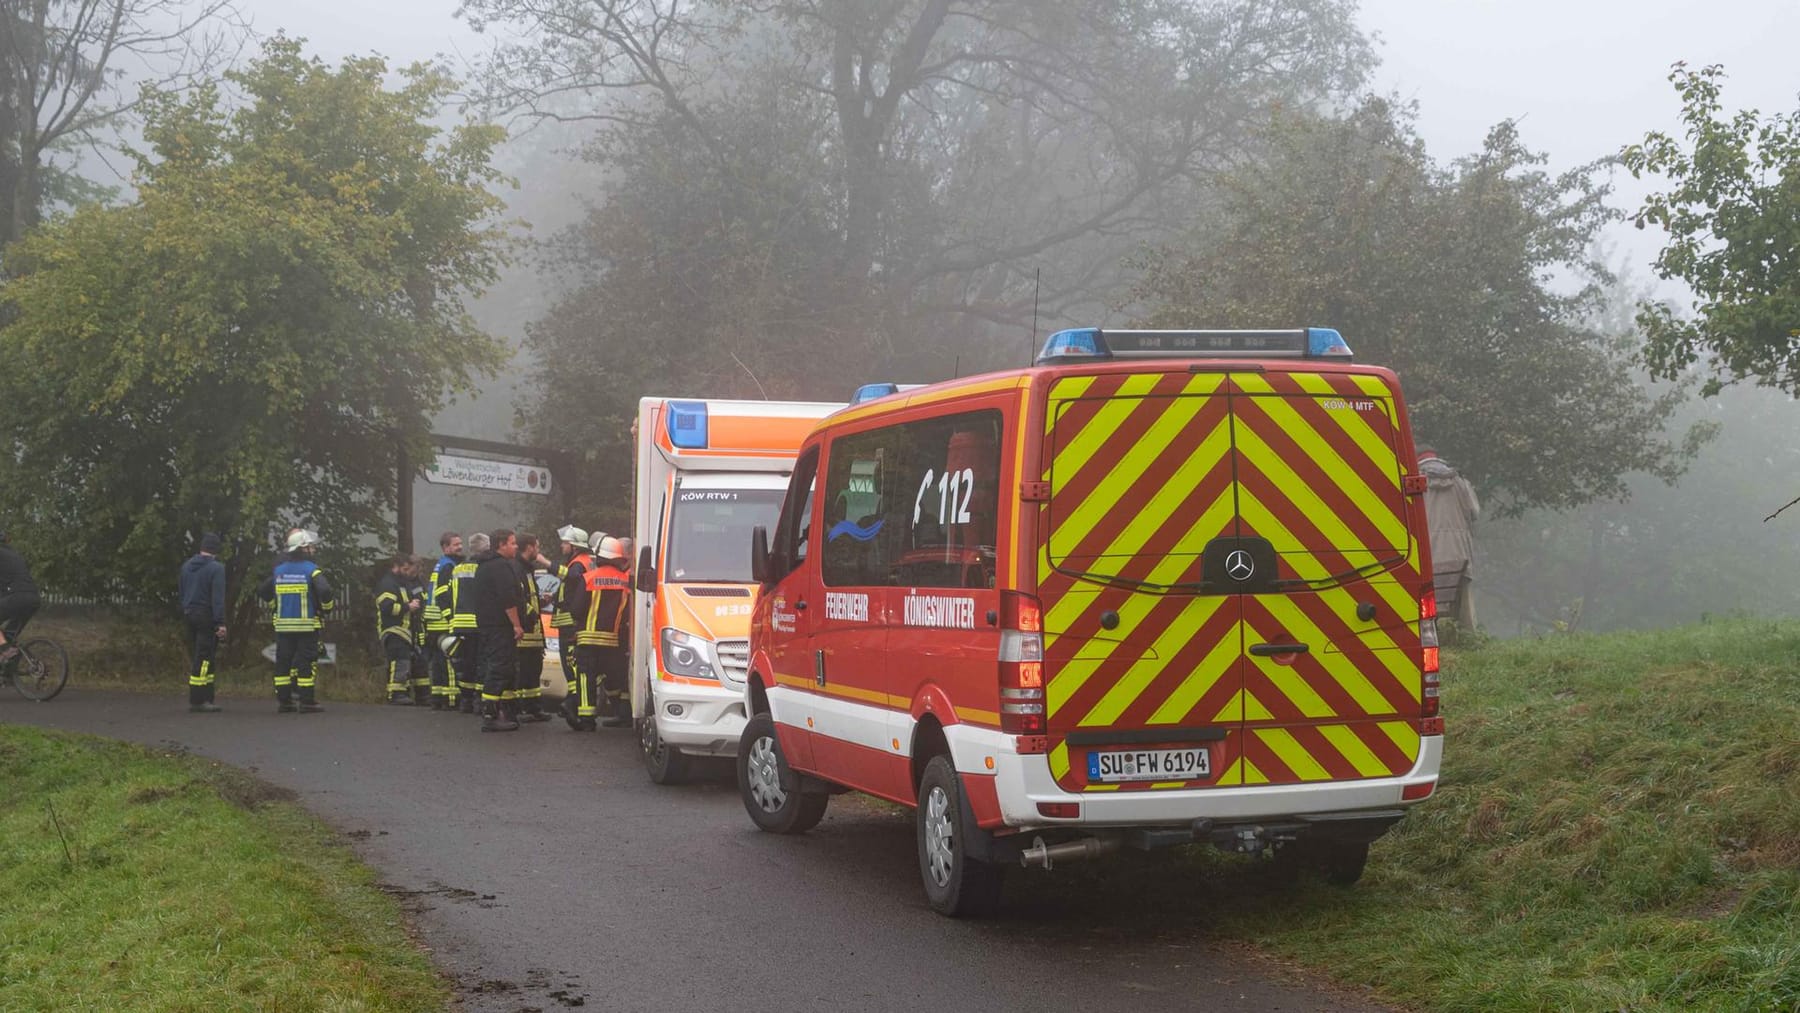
(664, 763)
(769, 787)
(955, 884)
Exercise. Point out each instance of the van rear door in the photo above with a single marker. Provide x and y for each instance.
(1142, 665)
(1332, 676)
(1226, 565)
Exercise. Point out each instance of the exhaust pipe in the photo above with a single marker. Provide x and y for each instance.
(1045, 856)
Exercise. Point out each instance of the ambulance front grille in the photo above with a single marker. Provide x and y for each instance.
(734, 658)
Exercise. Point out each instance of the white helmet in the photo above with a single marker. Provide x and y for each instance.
(300, 538)
(572, 534)
(446, 642)
(607, 547)
(594, 541)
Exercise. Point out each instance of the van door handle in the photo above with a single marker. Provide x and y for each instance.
(800, 605)
(1269, 650)
(819, 667)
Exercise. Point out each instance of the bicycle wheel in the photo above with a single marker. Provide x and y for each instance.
(42, 670)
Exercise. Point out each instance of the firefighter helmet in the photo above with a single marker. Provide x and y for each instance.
(573, 535)
(300, 538)
(607, 547)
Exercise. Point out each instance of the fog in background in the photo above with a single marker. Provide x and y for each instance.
(1582, 81)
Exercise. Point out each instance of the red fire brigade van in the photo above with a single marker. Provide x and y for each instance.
(1162, 587)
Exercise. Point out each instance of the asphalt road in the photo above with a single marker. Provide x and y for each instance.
(545, 871)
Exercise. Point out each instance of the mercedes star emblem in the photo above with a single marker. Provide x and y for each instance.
(1239, 566)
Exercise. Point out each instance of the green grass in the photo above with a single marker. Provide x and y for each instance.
(121, 650)
(144, 881)
(1618, 828)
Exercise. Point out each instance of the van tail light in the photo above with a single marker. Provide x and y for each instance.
(1428, 645)
(1021, 664)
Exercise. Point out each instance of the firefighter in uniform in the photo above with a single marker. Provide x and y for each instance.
(571, 571)
(528, 692)
(606, 633)
(395, 607)
(499, 608)
(438, 612)
(465, 650)
(301, 596)
(417, 590)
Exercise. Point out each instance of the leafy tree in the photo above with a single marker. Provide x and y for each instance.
(1454, 276)
(1732, 213)
(64, 78)
(251, 342)
(811, 194)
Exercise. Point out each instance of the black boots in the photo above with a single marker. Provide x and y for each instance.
(495, 718)
(400, 698)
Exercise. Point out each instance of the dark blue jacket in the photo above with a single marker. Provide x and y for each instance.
(203, 588)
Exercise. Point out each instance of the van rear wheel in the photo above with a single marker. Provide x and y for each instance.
(769, 787)
(1343, 861)
(955, 884)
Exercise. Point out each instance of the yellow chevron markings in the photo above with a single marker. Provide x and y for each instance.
(1269, 462)
(1234, 774)
(1354, 750)
(1403, 734)
(1139, 676)
(1080, 448)
(1066, 390)
(1131, 541)
(1253, 774)
(1071, 528)
(1291, 754)
(1307, 565)
(1059, 761)
(1381, 454)
(1215, 666)
(1184, 627)
(1394, 662)
(1072, 675)
(1339, 667)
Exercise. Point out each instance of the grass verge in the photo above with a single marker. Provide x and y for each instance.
(120, 649)
(1618, 828)
(152, 881)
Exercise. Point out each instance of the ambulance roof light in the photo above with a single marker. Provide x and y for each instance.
(1093, 343)
(686, 422)
(871, 391)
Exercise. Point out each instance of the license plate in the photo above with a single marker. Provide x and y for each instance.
(1150, 765)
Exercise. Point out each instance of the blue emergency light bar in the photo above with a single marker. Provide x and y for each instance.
(1094, 344)
(871, 391)
(686, 422)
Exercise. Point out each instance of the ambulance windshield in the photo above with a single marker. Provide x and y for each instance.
(709, 533)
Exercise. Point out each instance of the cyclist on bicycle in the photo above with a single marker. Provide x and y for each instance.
(19, 599)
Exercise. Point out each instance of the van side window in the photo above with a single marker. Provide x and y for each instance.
(793, 533)
(860, 533)
(915, 504)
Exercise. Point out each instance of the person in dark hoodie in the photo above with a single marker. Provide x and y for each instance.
(202, 581)
(500, 613)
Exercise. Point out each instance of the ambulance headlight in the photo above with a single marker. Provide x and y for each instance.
(686, 655)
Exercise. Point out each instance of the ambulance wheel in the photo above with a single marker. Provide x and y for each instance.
(769, 787)
(664, 763)
(955, 884)
(1343, 861)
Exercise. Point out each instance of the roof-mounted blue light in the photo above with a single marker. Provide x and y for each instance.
(1075, 343)
(871, 391)
(1092, 343)
(1326, 343)
(686, 421)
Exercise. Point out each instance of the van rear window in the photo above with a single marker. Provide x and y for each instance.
(914, 504)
